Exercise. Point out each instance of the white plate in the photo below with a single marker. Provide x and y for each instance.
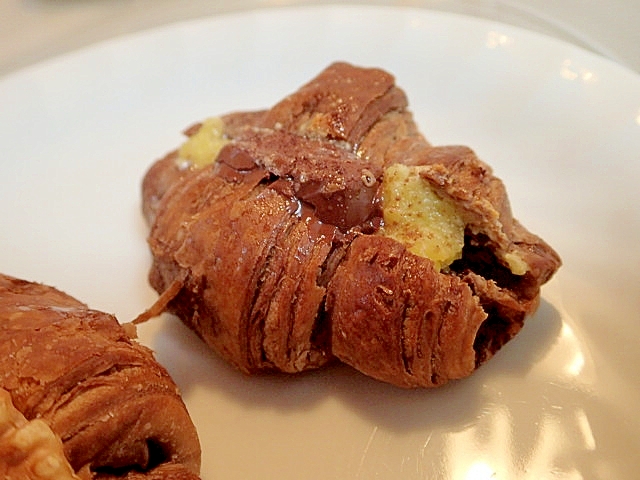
(559, 125)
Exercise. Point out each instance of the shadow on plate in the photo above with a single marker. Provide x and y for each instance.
(192, 364)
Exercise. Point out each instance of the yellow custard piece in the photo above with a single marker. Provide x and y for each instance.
(428, 225)
(202, 148)
(516, 264)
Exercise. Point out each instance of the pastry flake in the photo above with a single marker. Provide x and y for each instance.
(29, 449)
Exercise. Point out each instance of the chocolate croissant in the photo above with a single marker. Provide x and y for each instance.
(327, 227)
(116, 411)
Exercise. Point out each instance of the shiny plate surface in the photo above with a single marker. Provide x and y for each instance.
(559, 125)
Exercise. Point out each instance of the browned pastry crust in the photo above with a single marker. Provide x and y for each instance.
(29, 450)
(273, 255)
(164, 471)
(105, 396)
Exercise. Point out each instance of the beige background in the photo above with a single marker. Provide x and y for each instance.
(33, 30)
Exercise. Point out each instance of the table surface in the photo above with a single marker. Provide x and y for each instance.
(34, 30)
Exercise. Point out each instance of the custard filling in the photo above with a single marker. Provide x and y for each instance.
(414, 215)
(429, 225)
(202, 148)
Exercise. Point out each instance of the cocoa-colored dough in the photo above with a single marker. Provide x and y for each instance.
(272, 253)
